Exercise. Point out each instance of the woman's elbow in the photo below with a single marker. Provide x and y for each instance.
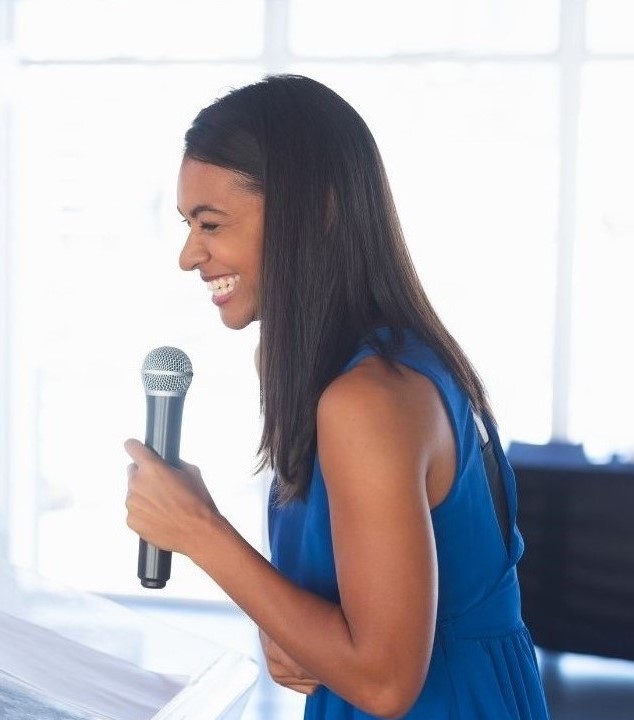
(391, 699)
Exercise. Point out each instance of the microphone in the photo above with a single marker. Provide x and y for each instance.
(167, 374)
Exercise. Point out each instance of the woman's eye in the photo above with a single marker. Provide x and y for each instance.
(209, 227)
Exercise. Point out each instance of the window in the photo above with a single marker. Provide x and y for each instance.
(504, 129)
(603, 292)
(95, 285)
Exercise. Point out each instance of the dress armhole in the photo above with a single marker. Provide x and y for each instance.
(494, 478)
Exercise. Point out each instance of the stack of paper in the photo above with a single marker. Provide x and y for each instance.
(75, 677)
(19, 701)
(45, 676)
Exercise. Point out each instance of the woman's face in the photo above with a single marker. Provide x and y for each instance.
(226, 226)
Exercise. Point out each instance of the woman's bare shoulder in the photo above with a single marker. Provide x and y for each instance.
(375, 416)
(376, 386)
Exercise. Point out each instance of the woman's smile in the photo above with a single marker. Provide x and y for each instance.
(222, 288)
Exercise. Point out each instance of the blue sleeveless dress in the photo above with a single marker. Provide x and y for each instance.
(483, 664)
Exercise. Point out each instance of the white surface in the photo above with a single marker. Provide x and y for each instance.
(74, 674)
(91, 654)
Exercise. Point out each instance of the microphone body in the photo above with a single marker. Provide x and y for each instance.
(167, 374)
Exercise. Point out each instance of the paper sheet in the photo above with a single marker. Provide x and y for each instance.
(19, 701)
(40, 666)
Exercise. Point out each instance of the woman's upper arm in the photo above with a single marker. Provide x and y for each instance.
(376, 439)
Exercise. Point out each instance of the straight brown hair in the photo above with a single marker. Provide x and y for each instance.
(335, 264)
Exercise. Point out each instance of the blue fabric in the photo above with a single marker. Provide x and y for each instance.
(483, 664)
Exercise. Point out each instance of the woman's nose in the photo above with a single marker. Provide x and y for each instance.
(193, 254)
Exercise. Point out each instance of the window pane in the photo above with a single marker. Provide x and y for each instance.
(610, 25)
(328, 28)
(95, 29)
(603, 351)
(96, 285)
(471, 152)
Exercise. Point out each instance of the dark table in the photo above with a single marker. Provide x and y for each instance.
(577, 572)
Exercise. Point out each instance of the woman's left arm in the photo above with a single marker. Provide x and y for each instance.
(379, 433)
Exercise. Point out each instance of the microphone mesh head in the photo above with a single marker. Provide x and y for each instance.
(166, 371)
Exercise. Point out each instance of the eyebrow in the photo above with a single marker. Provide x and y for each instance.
(201, 208)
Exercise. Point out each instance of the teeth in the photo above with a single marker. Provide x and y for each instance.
(224, 285)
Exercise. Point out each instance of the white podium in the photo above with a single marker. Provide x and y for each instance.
(76, 656)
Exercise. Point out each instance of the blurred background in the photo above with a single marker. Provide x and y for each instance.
(506, 129)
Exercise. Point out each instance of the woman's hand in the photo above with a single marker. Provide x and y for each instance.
(284, 670)
(164, 503)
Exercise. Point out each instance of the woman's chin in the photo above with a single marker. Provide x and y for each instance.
(234, 322)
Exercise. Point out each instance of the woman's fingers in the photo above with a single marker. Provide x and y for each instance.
(163, 501)
(284, 670)
(138, 451)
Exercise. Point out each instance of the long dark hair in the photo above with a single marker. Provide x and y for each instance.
(335, 264)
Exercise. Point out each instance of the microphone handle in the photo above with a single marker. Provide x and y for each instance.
(162, 434)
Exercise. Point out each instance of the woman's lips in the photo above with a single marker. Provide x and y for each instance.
(222, 287)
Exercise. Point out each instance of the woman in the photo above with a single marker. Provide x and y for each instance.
(392, 590)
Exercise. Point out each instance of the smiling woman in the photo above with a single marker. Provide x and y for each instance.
(376, 426)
